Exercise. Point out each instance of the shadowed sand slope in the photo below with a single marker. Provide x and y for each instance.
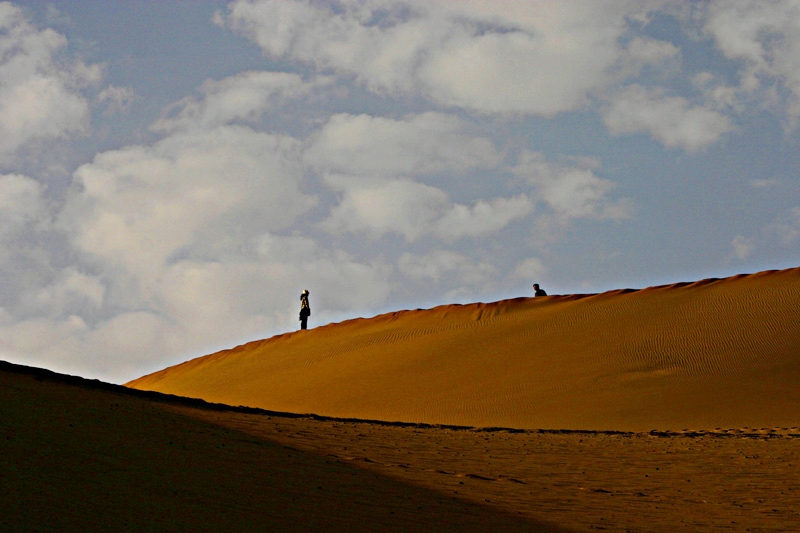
(88, 456)
(715, 353)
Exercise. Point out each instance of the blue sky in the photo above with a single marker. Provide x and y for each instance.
(173, 174)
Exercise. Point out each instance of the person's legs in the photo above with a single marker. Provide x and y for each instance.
(303, 323)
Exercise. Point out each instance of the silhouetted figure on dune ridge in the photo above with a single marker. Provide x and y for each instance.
(305, 310)
(537, 291)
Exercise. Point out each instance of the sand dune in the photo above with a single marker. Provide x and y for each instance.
(719, 353)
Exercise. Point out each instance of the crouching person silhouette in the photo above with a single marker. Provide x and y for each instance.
(305, 310)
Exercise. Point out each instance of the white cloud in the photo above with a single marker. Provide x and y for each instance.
(368, 159)
(375, 208)
(23, 214)
(190, 193)
(530, 268)
(643, 52)
(245, 96)
(574, 190)
(766, 37)
(55, 17)
(538, 57)
(39, 95)
(412, 209)
(444, 265)
(671, 120)
(45, 342)
(116, 99)
(117, 349)
(542, 58)
(417, 144)
(72, 293)
(742, 247)
(383, 58)
(21, 202)
(482, 218)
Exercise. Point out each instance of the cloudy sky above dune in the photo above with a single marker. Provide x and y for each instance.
(173, 174)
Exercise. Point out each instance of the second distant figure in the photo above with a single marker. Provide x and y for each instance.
(538, 291)
(305, 310)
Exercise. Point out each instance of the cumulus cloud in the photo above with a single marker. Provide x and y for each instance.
(644, 52)
(765, 36)
(40, 96)
(123, 345)
(375, 208)
(116, 99)
(21, 202)
(530, 268)
(441, 265)
(540, 58)
(43, 341)
(243, 97)
(377, 146)
(572, 190)
(23, 213)
(368, 160)
(482, 218)
(72, 293)
(671, 120)
(139, 206)
(742, 247)
(412, 209)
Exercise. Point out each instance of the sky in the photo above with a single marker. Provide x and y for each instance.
(174, 173)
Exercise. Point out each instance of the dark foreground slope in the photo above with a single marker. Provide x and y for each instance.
(80, 455)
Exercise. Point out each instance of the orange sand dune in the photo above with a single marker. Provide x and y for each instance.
(715, 353)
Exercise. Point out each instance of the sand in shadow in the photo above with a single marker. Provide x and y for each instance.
(80, 455)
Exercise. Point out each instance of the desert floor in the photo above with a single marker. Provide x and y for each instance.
(84, 455)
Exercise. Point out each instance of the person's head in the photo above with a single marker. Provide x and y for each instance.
(536, 286)
(305, 291)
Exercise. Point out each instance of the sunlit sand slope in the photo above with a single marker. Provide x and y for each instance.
(715, 353)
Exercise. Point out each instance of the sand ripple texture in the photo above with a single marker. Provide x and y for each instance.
(717, 353)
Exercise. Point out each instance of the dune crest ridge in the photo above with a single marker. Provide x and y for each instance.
(717, 353)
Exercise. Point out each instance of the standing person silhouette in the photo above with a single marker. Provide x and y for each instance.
(537, 291)
(305, 310)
